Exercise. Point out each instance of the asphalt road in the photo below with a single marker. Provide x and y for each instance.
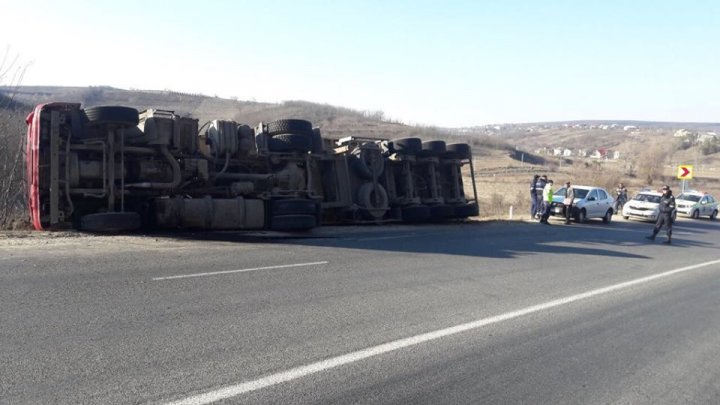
(434, 314)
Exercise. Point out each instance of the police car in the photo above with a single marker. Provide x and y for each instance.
(645, 205)
(696, 204)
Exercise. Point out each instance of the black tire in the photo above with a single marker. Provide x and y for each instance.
(406, 146)
(317, 142)
(608, 217)
(466, 210)
(372, 197)
(458, 151)
(290, 143)
(293, 206)
(441, 211)
(110, 222)
(581, 216)
(364, 165)
(121, 117)
(293, 222)
(624, 217)
(415, 213)
(290, 126)
(714, 215)
(433, 148)
(696, 214)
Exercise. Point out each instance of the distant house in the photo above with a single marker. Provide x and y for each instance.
(566, 152)
(629, 128)
(600, 153)
(707, 136)
(615, 155)
(582, 152)
(557, 151)
(680, 133)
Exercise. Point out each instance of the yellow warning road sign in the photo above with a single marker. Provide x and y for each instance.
(685, 172)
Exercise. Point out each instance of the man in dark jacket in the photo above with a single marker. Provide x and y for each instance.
(665, 217)
(534, 200)
(539, 187)
(568, 201)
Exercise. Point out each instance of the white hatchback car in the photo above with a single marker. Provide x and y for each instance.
(589, 202)
(695, 204)
(645, 205)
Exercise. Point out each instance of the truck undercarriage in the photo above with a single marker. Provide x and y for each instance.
(114, 169)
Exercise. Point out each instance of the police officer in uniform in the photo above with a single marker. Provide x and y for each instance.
(667, 211)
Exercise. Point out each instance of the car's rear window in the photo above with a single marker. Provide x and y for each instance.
(689, 197)
(647, 198)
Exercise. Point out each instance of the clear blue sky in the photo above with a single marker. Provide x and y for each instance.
(445, 63)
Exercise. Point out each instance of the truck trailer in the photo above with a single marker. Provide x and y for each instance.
(117, 169)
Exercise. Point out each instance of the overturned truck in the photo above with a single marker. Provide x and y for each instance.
(114, 169)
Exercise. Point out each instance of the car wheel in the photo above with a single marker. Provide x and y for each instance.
(714, 215)
(624, 217)
(582, 216)
(696, 214)
(608, 217)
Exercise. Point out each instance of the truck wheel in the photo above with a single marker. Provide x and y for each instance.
(289, 143)
(122, 117)
(466, 210)
(415, 213)
(290, 126)
(317, 141)
(110, 222)
(441, 211)
(293, 206)
(406, 146)
(458, 151)
(293, 222)
(433, 148)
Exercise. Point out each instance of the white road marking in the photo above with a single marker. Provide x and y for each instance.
(386, 237)
(215, 273)
(312, 368)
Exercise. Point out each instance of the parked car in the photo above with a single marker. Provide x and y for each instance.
(645, 206)
(696, 204)
(589, 202)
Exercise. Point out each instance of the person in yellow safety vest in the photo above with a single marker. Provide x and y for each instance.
(547, 201)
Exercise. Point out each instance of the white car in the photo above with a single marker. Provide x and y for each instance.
(589, 202)
(695, 204)
(645, 205)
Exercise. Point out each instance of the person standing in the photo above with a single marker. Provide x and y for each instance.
(547, 202)
(539, 187)
(620, 197)
(568, 201)
(665, 217)
(534, 200)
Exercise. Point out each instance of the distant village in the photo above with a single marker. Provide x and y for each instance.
(691, 136)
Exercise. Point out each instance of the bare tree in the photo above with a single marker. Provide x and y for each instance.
(13, 201)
